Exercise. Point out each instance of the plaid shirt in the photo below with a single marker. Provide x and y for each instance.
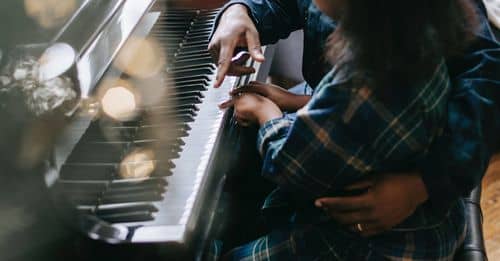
(346, 132)
(458, 160)
(326, 147)
(454, 165)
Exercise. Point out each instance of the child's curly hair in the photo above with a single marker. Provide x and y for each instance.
(400, 41)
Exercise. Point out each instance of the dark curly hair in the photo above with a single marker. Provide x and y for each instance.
(400, 41)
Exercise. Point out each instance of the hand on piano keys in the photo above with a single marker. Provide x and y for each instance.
(235, 29)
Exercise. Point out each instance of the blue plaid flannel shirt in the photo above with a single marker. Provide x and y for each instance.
(457, 161)
(346, 133)
(326, 146)
(454, 164)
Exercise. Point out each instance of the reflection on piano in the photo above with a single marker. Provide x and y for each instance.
(145, 154)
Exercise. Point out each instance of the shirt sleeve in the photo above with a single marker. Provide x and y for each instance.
(273, 19)
(458, 161)
(342, 135)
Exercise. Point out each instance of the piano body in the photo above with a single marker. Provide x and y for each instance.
(144, 180)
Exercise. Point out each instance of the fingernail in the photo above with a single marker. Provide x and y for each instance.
(318, 204)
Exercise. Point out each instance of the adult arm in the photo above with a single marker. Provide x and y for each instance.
(247, 23)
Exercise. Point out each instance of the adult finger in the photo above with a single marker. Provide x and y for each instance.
(224, 61)
(254, 46)
(344, 203)
(349, 218)
(364, 184)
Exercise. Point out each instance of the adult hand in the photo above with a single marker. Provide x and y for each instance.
(387, 201)
(285, 100)
(235, 29)
(251, 108)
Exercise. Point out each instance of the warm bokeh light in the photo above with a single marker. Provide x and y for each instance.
(118, 99)
(50, 13)
(138, 164)
(140, 57)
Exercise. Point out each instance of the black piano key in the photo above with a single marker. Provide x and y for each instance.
(188, 73)
(98, 152)
(192, 68)
(183, 101)
(187, 92)
(163, 148)
(82, 187)
(183, 57)
(151, 184)
(87, 172)
(189, 62)
(166, 113)
(96, 133)
(129, 217)
(143, 196)
(164, 133)
(191, 81)
(82, 199)
(191, 88)
(163, 169)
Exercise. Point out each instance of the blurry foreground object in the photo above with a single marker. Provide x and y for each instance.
(118, 99)
(141, 57)
(43, 90)
(50, 13)
(139, 163)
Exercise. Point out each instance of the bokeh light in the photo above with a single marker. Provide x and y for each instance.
(119, 103)
(139, 163)
(50, 13)
(118, 99)
(140, 57)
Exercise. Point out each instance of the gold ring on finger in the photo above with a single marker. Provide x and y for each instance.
(359, 227)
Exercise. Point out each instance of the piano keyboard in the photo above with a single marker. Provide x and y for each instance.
(169, 202)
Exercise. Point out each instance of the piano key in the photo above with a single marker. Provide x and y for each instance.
(87, 172)
(131, 216)
(143, 196)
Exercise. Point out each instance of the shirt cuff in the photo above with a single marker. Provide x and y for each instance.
(272, 130)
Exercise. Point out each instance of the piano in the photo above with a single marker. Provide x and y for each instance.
(144, 156)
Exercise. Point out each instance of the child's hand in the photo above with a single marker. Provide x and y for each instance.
(285, 100)
(251, 108)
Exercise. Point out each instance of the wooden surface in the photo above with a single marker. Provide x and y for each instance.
(490, 203)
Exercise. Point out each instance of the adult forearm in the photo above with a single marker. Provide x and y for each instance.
(274, 20)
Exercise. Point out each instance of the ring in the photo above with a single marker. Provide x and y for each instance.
(359, 227)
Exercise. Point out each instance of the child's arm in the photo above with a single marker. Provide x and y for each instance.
(285, 100)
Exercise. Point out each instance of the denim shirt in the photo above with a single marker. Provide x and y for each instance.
(457, 161)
